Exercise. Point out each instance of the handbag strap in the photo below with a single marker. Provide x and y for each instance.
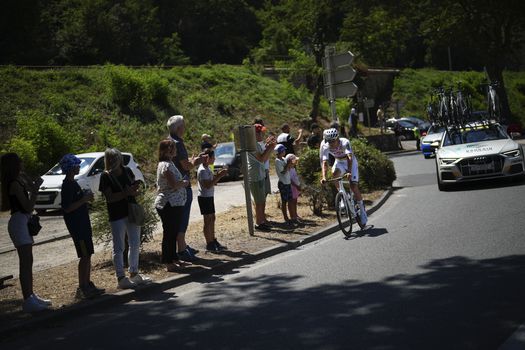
(113, 179)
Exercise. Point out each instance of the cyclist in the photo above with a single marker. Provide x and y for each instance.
(345, 163)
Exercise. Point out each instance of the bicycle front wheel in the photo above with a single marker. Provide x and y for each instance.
(344, 215)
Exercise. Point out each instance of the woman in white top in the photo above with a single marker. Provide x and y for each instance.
(171, 197)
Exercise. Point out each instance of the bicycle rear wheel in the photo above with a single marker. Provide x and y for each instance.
(344, 216)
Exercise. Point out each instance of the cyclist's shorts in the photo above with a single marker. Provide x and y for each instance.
(342, 165)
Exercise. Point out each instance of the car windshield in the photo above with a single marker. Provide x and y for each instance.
(84, 165)
(225, 151)
(474, 134)
(434, 129)
(406, 124)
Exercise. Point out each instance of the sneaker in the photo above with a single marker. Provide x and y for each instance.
(215, 247)
(32, 304)
(126, 283)
(42, 301)
(220, 246)
(140, 279)
(192, 250)
(186, 255)
(263, 227)
(85, 293)
(97, 290)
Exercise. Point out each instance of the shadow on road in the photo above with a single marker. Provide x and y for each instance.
(453, 303)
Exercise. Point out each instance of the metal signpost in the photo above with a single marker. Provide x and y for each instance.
(338, 76)
(245, 142)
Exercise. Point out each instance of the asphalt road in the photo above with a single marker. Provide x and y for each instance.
(439, 270)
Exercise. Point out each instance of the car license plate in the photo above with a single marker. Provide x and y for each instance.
(481, 167)
(43, 198)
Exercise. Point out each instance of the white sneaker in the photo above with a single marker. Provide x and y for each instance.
(32, 304)
(43, 301)
(125, 283)
(140, 279)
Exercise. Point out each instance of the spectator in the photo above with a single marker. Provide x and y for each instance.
(170, 201)
(282, 168)
(287, 140)
(296, 188)
(381, 118)
(177, 127)
(118, 185)
(15, 197)
(206, 182)
(262, 143)
(352, 121)
(206, 142)
(314, 140)
(76, 216)
(256, 176)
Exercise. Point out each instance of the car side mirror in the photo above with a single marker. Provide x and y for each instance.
(435, 144)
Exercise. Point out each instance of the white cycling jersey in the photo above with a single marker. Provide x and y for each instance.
(340, 153)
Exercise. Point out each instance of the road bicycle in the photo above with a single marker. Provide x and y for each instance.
(347, 210)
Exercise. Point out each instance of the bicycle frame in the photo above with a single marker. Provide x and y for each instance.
(349, 197)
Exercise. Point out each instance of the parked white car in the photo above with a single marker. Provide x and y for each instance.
(91, 167)
(477, 151)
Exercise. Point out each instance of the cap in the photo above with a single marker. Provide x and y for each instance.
(259, 128)
(279, 148)
(68, 162)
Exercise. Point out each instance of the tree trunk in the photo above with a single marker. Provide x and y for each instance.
(317, 99)
(495, 73)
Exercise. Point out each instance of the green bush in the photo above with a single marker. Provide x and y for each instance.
(41, 141)
(376, 171)
(100, 220)
(136, 91)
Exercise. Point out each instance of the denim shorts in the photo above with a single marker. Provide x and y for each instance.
(285, 191)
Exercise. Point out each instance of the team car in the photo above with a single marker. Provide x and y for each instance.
(91, 166)
(476, 151)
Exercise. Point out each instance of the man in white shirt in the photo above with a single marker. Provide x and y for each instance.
(345, 163)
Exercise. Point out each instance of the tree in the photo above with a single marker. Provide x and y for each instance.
(292, 27)
(490, 30)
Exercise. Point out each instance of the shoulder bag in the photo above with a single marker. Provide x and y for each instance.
(136, 213)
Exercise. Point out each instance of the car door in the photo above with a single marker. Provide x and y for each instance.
(94, 174)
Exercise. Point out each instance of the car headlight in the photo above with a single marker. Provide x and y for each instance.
(447, 161)
(514, 153)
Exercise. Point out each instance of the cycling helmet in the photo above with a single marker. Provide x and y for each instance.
(68, 162)
(330, 134)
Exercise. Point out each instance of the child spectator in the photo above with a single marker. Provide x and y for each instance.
(296, 188)
(206, 182)
(282, 169)
(76, 217)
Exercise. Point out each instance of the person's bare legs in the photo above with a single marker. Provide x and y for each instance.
(209, 227)
(25, 257)
(292, 207)
(84, 271)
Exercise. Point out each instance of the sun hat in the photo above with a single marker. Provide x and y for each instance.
(291, 157)
(68, 162)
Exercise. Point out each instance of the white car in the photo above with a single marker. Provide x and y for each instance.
(435, 133)
(91, 167)
(477, 151)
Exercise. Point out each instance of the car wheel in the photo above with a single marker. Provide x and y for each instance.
(441, 185)
(427, 156)
(40, 211)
